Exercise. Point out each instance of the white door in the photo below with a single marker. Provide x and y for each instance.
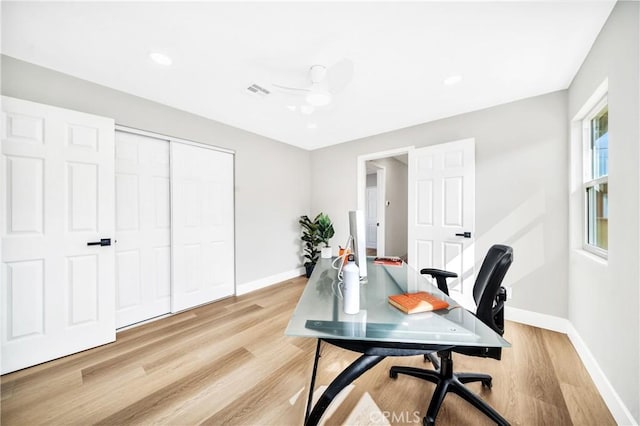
(143, 220)
(202, 249)
(442, 210)
(372, 217)
(57, 195)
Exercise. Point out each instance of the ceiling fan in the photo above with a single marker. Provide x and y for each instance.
(324, 83)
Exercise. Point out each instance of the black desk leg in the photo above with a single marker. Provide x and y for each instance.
(352, 372)
(313, 381)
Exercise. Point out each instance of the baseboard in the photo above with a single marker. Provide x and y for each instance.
(268, 281)
(548, 322)
(618, 409)
(616, 406)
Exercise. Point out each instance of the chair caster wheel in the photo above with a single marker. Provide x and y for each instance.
(487, 384)
(393, 374)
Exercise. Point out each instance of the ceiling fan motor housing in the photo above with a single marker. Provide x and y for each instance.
(317, 73)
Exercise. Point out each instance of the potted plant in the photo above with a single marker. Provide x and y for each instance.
(326, 232)
(311, 239)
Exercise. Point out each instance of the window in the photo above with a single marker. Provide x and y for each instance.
(596, 178)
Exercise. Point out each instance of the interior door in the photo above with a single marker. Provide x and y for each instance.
(143, 220)
(372, 217)
(442, 211)
(202, 249)
(57, 195)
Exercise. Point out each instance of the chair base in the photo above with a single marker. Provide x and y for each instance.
(448, 381)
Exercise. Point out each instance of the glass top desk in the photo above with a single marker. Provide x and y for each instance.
(379, 329)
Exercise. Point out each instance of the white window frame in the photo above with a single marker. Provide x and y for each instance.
(587, 173)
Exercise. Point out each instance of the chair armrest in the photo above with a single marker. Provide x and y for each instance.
(501, 297)
(435, 273)
(440, 276)
(497, 313)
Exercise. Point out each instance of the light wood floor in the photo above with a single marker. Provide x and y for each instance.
(230, 363)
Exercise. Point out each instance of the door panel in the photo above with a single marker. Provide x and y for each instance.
(25, 187)
(143, 228)
(25, 282)
(127, 195)
(162, 271)
(202, 225)
(82, 197)
(424, 200)
(162, 201)
(452, 194)
(128, 279)
(442, 184)
(57, 293)
(82, 288)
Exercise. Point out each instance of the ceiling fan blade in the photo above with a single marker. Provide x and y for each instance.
(297, 90)
(339, 75)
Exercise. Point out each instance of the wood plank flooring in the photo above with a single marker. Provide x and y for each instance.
(229, 362)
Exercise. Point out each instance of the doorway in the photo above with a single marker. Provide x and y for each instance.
(374, 210)
(439, 214)
(383, 196)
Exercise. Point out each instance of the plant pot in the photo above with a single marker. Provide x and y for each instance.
(325, 252)
(309, 269)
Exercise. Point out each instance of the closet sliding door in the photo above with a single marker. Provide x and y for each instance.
(202, 227)
(143, 233)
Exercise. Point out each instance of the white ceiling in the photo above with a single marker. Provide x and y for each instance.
(401, 52)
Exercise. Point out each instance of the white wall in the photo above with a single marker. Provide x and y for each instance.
(521, 188)
(271, 178)
(604, 296)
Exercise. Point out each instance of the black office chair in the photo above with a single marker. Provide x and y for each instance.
(489, 296)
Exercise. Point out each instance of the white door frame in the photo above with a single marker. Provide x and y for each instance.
(361, 181)
(135, 131)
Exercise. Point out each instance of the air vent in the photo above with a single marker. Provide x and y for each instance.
(257, 90)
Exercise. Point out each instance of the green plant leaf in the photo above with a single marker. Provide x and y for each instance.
(325, 228)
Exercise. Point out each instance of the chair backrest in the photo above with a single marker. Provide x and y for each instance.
(488, 285)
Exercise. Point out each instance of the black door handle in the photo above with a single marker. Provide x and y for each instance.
(102, 242)
(464, 234)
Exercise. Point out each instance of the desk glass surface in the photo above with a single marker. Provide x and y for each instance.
(320, 314)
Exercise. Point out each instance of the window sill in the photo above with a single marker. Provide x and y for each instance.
(592, 256)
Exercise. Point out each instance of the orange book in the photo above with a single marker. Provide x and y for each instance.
(411, 303)
(388, 261)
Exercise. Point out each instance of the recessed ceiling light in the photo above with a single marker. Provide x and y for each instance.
(312, 126)
(161, 58)
(291, 107)
(452, 79)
